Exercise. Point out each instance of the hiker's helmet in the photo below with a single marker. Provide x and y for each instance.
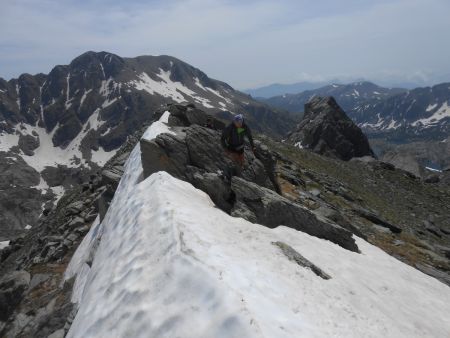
(239, 118)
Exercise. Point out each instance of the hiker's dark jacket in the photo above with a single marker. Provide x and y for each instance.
(233, 137)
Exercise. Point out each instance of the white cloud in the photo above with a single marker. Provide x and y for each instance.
(244, 43)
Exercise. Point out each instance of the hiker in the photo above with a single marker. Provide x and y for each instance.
(233, 141)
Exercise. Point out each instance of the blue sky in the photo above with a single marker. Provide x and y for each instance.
(244, 43)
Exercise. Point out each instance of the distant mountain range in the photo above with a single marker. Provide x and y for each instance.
(58, 127)
(277, 89)
(347, 95)
(395, 113)
(281, 89)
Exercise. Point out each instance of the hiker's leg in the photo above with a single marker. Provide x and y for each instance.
(234, 168)
(239, 160)
(229, 170)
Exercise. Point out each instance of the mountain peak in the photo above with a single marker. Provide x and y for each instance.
(327, 130)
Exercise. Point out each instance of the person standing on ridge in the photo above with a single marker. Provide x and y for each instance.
(233, 140)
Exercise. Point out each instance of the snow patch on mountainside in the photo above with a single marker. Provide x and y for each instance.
(299, 145)
(171, 264)
(7, 141)
(18, 97)
(393, 125)
(215, 92)
(85, 94)
(380, 122)
(68, 103)
(109, 102)
(108, 87)
(100, 156)
(49, 155)
(4, 244)
(59, 192)
(431, 107)
(42, 186)
(166, 87)
(433, 169)
(199, 84)
(440, 114)
(172, 89)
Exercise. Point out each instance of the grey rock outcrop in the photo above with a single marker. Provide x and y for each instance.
(327, 130)
(263, 206)
(28, 143)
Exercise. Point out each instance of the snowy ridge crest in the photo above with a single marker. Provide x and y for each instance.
(170, 264)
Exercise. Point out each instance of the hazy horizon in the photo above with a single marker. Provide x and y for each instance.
(247, 45)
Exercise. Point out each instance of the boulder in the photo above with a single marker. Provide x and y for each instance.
(28, 143)
(327, 130)
(256, 203)
(433, 178)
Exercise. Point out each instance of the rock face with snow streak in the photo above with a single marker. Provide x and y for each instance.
(78, 115)
(327, 130)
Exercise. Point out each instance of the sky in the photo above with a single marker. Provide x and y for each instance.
(244, 43)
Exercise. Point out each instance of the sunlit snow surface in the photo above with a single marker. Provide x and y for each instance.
(170, 264)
